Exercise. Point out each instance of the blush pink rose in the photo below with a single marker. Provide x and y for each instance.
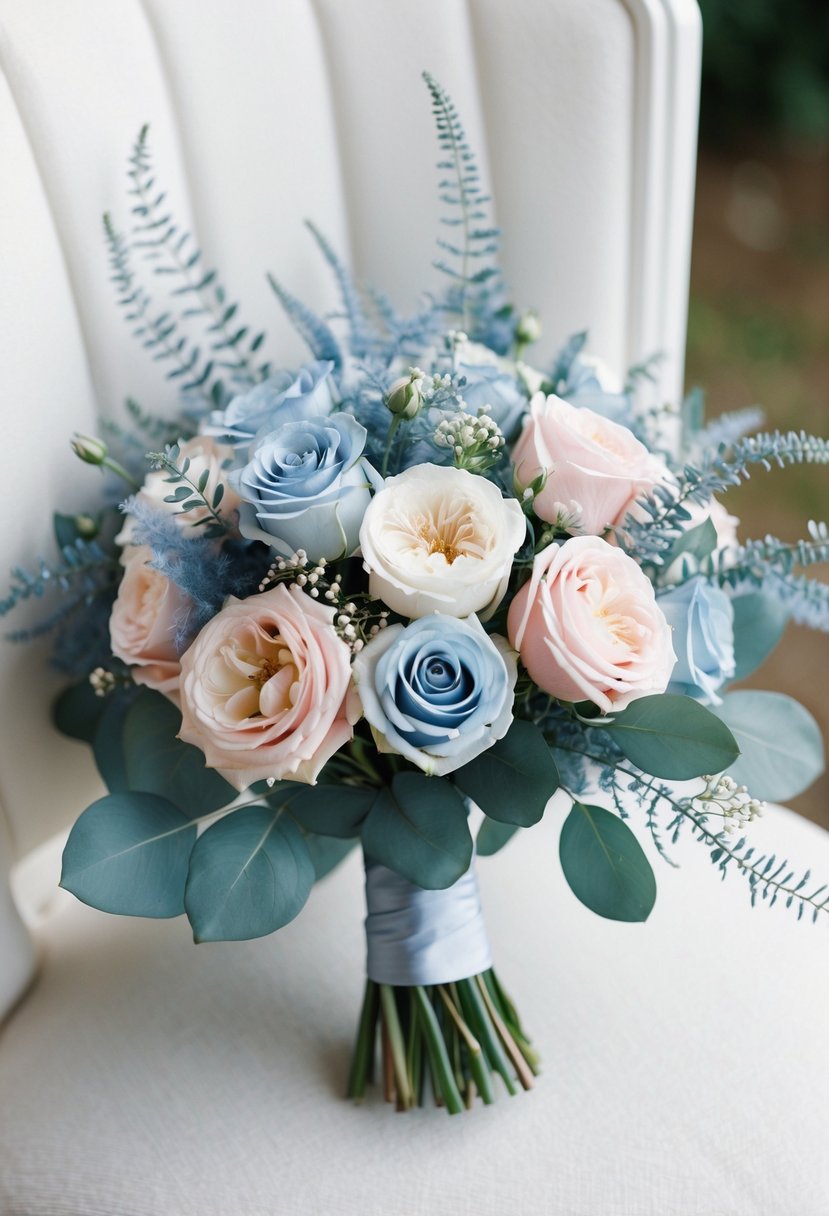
(264, 688)
(142, 626)
(588, 627)
(586, 459)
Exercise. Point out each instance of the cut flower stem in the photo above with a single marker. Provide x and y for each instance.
(457, 1034)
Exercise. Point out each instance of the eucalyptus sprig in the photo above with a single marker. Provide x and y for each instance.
(190, 494)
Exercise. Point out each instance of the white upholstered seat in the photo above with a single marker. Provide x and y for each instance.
(142, 1075)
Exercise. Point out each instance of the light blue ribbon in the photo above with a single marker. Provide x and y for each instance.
(423, 937)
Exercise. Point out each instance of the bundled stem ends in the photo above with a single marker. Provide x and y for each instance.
(447, 1040)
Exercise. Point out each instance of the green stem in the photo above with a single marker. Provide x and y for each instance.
(476, 1014)
(393, 425)
(436, 1048)
(364, 1047)
(391, 1020)
(115, 467)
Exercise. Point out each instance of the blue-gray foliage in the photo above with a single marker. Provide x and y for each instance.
(476, 296)
(205, 570)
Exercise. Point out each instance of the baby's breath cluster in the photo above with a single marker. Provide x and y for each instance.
(357, 620)
(475, 439)
(102, 681)
(723, 796)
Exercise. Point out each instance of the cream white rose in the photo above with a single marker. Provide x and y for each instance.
(438, 539)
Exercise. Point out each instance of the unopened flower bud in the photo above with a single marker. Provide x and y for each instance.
(527, 328)
(88, 448)
(405, 397)
(86, 526)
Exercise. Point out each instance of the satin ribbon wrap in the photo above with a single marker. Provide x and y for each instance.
(423, 937)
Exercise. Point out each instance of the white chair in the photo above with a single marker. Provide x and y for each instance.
(142, 1075)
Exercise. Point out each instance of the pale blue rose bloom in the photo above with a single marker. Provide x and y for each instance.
(307, 487)
(702, 619)
(489, 385)
(283, 397)
(438, 691)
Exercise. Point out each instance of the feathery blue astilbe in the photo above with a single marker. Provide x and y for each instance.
(232, 349)
(205, 570)
(363, 337)
(476, 296)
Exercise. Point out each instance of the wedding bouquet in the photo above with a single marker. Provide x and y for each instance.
(414, 585)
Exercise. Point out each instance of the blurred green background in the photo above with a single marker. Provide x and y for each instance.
(759, 317)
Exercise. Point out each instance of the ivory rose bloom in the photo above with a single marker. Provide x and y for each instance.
(146, 616)
(586, 459)
(588, 627)
(204, 454)
(437, 539)
(264, 686)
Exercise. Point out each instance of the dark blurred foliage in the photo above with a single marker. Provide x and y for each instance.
(765, 67)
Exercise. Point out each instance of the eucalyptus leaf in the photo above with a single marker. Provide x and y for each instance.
(419, 829)
(327, 852)
(604, 864)
(698, 542)
(492, 836)
(513, 780)
(160, 763)
(108, 743)
(128, 853)
(781, 749)
(77, 711)
(331, 810)
(673, 737)
(759, 623)
(250, 874)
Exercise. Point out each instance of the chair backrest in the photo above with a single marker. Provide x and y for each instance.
(264, 112)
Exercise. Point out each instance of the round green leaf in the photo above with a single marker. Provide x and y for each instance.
(673, 737)
(250, 874)
(108, 744)
(330, 810)
(781, 749)
(327, 852)
(759, 624)
(77, 711)
(160, 763)
(604, 864)
(492, 836)
(419, 829)
(128, 853)
(513, 780)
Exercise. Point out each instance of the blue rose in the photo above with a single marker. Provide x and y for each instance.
(283, 397)
(487, 384)
(438, 691)
(702, 619)
(307, 487)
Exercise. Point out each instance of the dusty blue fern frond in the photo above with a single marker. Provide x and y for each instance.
(776, 565)
(315, 332)
(158, 332)
(666, 508)
(768, 878)
(476, 295)
(726, 431)
(363, 336)
(231, 347)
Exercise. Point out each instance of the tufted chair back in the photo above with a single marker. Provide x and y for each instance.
(264, 112)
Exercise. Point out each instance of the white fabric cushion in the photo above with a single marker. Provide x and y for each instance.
(685, 1062)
